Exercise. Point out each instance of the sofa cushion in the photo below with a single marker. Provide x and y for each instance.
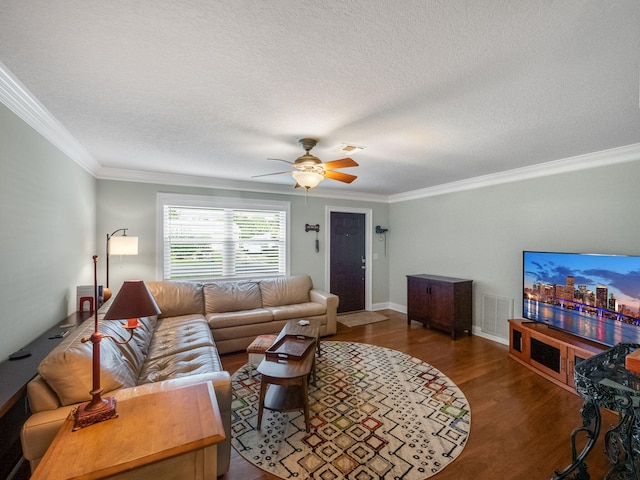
(234, 319)
(285, 290)
(135, 350)
(177, 298)
(231, 296)
(296, 311)
(195, 361)
(179, 334)
(143, 335)
(68, 367)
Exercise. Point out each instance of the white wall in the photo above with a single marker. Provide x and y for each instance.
(47, 207)
(480, 234)
(133, 206)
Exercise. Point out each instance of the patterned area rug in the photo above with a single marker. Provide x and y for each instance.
(375, 414)
(360, 318)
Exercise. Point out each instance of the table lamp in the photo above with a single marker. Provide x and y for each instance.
(132, 302)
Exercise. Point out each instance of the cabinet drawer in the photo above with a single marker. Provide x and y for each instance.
(549, 356)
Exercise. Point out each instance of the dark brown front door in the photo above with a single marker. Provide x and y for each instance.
(347, 260)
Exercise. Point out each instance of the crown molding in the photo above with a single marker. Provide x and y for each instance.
(613, 156)
(17, 97)
(24, 104)
(222, 184)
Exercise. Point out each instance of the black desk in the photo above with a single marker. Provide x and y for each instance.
(603, 382)
(14, 376)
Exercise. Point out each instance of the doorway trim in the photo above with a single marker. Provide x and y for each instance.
(368, 248)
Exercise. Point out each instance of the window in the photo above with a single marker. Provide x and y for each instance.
(211, 238)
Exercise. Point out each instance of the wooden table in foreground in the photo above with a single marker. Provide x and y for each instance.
(162, 431)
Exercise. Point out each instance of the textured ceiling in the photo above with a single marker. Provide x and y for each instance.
(437, 91)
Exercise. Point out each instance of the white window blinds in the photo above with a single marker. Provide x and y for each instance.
(203, 242)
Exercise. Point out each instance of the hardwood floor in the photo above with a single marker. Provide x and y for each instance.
(520, 422)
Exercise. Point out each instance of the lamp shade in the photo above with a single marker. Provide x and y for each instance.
(123, 245)
(133, 301)
(307, 179)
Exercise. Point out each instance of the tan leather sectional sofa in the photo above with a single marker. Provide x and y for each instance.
(181, 347)
(239, 311)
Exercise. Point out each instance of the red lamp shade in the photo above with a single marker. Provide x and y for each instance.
(133, 301)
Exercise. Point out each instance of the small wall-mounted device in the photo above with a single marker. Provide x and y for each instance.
(314, 228)
(382, 235)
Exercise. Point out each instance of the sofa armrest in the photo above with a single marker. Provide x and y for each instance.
(39, 431)
(330, 301)
(40, 395)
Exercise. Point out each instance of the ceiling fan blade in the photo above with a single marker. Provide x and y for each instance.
(281, 160)
(341, 163)
(341, 177)
(267, 174)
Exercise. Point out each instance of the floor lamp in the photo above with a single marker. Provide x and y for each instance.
(121, 245)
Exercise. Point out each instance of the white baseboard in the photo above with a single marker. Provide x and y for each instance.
(381, 306)
(476, 330)
(397, 307)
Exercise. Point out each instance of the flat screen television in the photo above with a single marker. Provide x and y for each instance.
(593, 296)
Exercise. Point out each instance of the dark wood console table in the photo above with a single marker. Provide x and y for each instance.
(14, 376)
(603, 382)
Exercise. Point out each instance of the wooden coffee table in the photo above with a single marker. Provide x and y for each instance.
(285, 380)
(293, 327)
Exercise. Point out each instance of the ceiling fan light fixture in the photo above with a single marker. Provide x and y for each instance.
(308, 170)
(307, 179)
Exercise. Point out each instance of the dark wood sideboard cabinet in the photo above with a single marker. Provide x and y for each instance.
(442, 303)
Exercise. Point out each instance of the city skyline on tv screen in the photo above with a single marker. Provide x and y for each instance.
(593, 296)
(619, 274)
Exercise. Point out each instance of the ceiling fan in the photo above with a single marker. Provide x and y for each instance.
(310, 170)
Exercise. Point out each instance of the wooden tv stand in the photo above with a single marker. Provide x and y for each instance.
(551, 353)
